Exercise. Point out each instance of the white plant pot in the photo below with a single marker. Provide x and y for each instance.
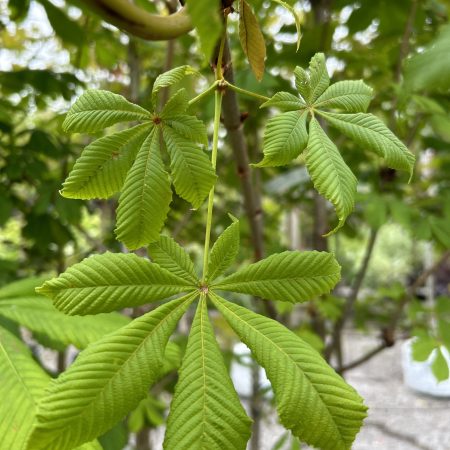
(418, 375)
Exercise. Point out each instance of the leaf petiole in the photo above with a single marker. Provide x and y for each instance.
(205, 93)
(239, 90)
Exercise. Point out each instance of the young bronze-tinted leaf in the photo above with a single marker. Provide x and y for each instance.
(145, 198)
(22, 382)
(97, 109)
(314, 402)
(285, 101)
(252, 40)
(101, 169)
(349, 96)
(205, 15)
(111, 281)
(205, 412)
(171, 256)
(106, 381)
(224, 251)
(285, 137)
(171, 77)
(331, 176)
(370, 132)
(191, 169)
(40, 316)
(289, 276)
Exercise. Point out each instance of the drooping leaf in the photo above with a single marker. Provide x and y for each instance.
(370, 132)
(39, 316)
(171, 77)
(349, 96)
(208, 24)
(192, 173)
(315, 403)
(422, 348)
(205, 412)
(439, 366)
(289, 276)
(112, 281)
(285, 137)
(331, 176)
(285, 101)
(106, 381)
(224, 251)
(145, 198)
(22, 382)
(171, 256)
(296, 17)
(101, 169)
(97, 109)
(252, 40)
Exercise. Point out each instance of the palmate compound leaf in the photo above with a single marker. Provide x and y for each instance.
(192, 173)
(40, 316)
(145, 197)
(252, 39)
(111, 281)
(370, 132)
(97, 109)
(205, 412)
(285, 137)
(314, 402)
(22, 384)
(101, 169)
(224, 251)
(106, 381)
(290, 276)
(169, 255)
(350, 96)
(330, 175)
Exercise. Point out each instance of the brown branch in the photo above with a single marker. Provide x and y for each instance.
(134, 20)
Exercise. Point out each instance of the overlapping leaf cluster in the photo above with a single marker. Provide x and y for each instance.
(112, 375)
(130, 161)
(343, 105)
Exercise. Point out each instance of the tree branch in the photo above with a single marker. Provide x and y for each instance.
(138, 22)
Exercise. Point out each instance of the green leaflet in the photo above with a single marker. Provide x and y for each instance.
(83, 402)
(176, 105)
(206, 19)
(349, 96)
(192, 172)
(205, 412)
(145, 198)
(331, 176)
(289, 276)
(111, 281)
(439, 366)
(189, 127)
(285, 138)
(252, 40)
(172, 257)
(101, 169)
(171, 77)
(39, 316)
(315, 403)
(22, 288)
(313, 83)
(285, 101)
(224, 251)
(21, 383)
(370, 132)
(97, 109)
